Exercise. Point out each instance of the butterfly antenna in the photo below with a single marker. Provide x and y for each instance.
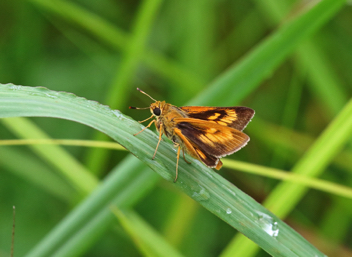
(137, 108)
(146, 94)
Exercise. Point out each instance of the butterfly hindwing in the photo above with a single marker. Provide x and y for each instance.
(211, 138)
(193, 150)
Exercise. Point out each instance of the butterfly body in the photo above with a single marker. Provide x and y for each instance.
(205, 133)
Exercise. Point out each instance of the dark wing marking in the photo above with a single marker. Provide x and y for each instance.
(234, 117)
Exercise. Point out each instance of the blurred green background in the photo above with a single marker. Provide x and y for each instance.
(104, 50)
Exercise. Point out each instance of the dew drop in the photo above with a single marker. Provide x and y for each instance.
(50, 96)
(14, 87)
(117, 113)
(202, 195)
(267, 223)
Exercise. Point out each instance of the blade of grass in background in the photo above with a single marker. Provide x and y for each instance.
(69, 142)
(82, 240)
(226, 47)
(294, 142)
(116, 96)
(310, 60)
(118, 39)
(81, 179)
(340, 209)
(259, 64)
(323, 82)
(289, 116)
(147, 240)
(201, 183)
(294, 178)
(180, 220)
(198, 23)
(40, 175)
(313, 183)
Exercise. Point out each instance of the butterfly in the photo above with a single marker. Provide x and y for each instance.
(205, 133)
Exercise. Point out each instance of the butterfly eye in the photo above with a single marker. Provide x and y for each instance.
(157, 111)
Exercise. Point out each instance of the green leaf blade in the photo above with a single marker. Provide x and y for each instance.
(199, 182)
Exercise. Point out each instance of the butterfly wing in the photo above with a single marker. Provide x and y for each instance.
(211, 139)
(234, 117)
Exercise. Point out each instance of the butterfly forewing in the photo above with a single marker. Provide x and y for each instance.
(234, 117)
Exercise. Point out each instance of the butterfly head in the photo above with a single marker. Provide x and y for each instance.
(156, 108)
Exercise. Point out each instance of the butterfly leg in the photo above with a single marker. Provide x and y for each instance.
(178, 157)
(183, 152)
(160, 134)
(145, 127)
(145, 119)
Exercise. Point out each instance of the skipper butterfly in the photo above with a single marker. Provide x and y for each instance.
(205, 133)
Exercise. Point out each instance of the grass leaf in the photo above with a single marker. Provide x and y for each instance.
(199, 182)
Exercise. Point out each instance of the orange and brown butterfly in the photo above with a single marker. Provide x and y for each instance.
(205, 133)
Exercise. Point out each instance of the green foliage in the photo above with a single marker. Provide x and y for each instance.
(295, 78)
